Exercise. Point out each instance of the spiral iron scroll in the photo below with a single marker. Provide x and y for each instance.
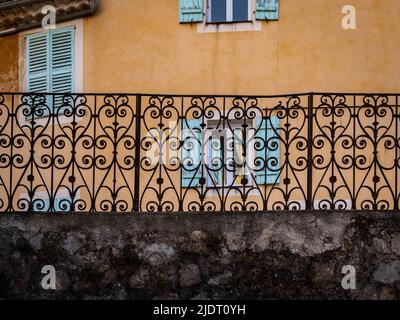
(127, 153)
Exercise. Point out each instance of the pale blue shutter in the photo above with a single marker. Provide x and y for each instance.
(215, 161)
(190, 11)
(268, 138)
(267, 10)
(62, 62)
(51, 63)
(37, 50)
(191, 153)
(38, 67)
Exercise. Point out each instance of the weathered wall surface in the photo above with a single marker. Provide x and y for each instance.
(9, 64)
(188, 256)
(139, 46)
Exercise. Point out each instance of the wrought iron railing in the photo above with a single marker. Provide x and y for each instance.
(163, 153)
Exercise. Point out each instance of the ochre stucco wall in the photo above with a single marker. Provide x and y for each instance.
(9, 64)
(139, 46)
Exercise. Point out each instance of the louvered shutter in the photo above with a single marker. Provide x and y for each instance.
(38, 63)
(215, 162)
(267, 9)
(37, 69)
(190, 11)
(62, 63)
(269, 153)
(51, 64)
(191, 153)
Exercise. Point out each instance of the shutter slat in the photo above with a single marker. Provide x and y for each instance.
(267, 10)
(191, 153)
(37, 52)
(62, 56)
(215, 161)
(190, 11)
(62, 64)
(269, 153)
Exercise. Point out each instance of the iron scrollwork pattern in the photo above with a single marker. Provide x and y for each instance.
(157, 153)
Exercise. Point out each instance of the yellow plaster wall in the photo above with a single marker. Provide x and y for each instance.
(139, 46)
(9, 64)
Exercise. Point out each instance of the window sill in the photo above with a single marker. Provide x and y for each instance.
(235, 186)
(209, 27)
(46, 114)
(48, 119)
(228, 22)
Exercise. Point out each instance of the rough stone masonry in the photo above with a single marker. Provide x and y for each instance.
(297, 255)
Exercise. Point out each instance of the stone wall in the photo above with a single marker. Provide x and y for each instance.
(201, 256)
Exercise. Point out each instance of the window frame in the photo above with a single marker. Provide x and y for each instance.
(229, 13)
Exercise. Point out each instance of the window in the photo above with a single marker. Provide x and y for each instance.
(51, 64)
(217, 158)
(220, 11)
(227, 160)
(209, 12)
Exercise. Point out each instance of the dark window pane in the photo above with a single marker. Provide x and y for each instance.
(218, 10)
(240, 10)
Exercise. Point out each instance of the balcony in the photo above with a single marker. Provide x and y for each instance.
(178, 153)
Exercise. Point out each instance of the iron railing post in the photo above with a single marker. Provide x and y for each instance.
(396, 161)
(137, 153)
(309, 204)
(13, 118)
